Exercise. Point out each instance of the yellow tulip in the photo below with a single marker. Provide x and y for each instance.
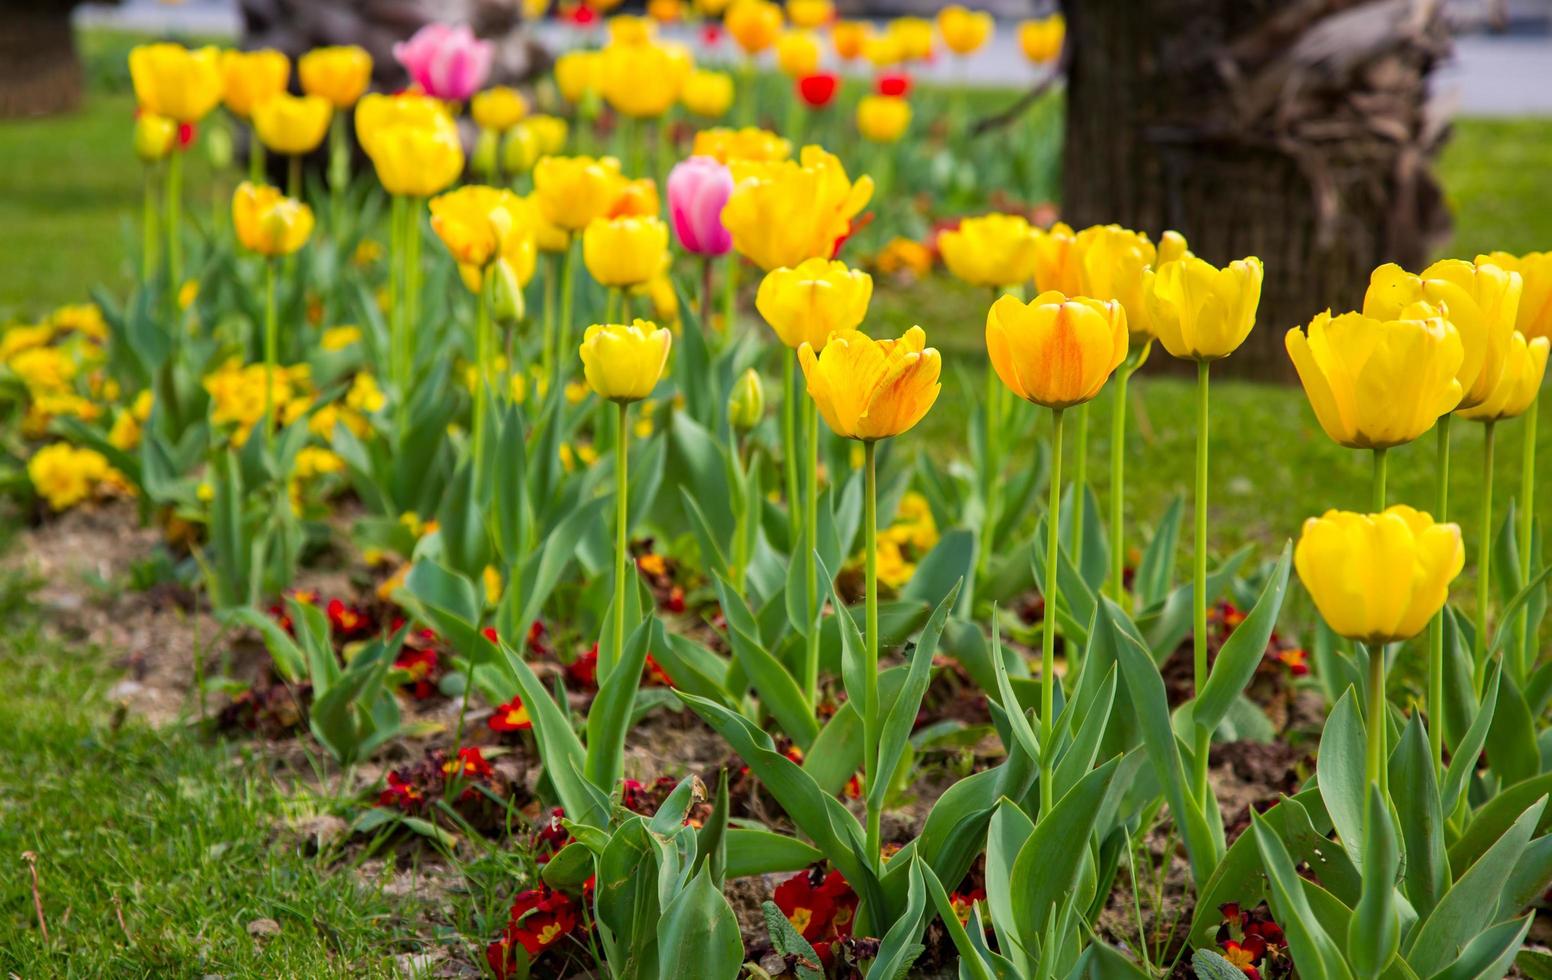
(376, 114)
(794, 211)
(1535, 269)
(549, 132)
(1374, 383)
(1114, 263)
(1057, 264)
(644, 80)
(872, 389)
(914, 35)
(1481, 300)
(250, 77)
(268, 222)
(747, 144)
(1172, 246)
(417, 161)
(711, 8)
(630, 29)
(473, 222)
(882, 50)
(547, 235)
(708, 94)
(625, 251)
(575, 191)
(995, 250)
(291, 124)
(964, 31)
(754, 24)
(155, 136)
(1517, 388)
(1055, 351)
(1042, 39)
(797, 53)
(665, 11)
(498, 108)
(339, 73)
(810, 14)
(849, 37)
(172, 81)
(883, 118)
(807, 304)
(579, 74)
(1203, 313)
(636, 199)
(1378, 578)
(623, 363)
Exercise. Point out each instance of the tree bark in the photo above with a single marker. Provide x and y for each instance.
(40, 72)
(1295, 130)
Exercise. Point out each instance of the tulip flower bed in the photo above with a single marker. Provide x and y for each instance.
(542, 530)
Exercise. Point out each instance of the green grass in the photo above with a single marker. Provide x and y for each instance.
(1494, 173)
(181, 837)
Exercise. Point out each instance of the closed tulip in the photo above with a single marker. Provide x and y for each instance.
(848, 38)
(376, 114)
(155, 136)
(746, 405)
(1481, 300)
(172, 81)
(340, 73)
(810, 14)
(636, 199)
(964, 31)
(1525, 365)
(519, 150)
(1378, 578)
(446, 60)
(417, 161)
(1057, 262)
(1056, 350)
(292, 124)
(498, 108)
(698, 190)
(741, 145)
(754, 24)
(473, 220)
(248, 78)
(665, 11)
(797, 53)
(644, 80)
(625, 251)
(883, 118)
(872, 389)
(623, 363)
(268, 222)
(1114, 263)
(1042, 39)
(630, 29)
(708, 94)
(575, 191)
(882, 50)
(578, 75)
(1201, 312)
(914, 36)
(810, 303)
(996, 250)
(1374, 383)
(549, 131)
(795, 211)
(1535, 268)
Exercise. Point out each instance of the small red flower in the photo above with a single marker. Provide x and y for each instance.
(551, 837)
(675, 602)
(539, 919)
(400, 794)
(653, 673)
(853, 789)
(1295, 660)
(820, 907)
(536, 642)
(634, 797)
(511, 717)
(470, 764)
(186, 134)
(964, 903)
(583, 671)
(421, 665)
(347, 621)
(711, 34)
(583, 16)
(490, 634)
(818, 90)
(896, 84)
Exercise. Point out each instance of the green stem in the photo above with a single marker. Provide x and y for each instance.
(412, 285)
(150, 229)
(396, 326)
(1199, 581)
(1118, 485)
(551, 287)
(789, 436)
(271, 343)
(1374, 769)
(1524, 643)
(1080, 482)
(482, 344)
(870, 737)
(568, 271)
(174, 204)
(294, 177)
(339, 174)
(1378, 484)
(810, 544)
(255, 158)
(729, 294)
(1436, 628)
(1053, 536)
(1484, 558)
(621, 542)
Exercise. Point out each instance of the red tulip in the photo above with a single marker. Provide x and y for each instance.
(818, 90)
(895, 84)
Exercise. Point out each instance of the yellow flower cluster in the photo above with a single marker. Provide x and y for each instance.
(906, 541)
(65, 475)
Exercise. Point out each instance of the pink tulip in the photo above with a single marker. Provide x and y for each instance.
(698, 189)
(448, 62)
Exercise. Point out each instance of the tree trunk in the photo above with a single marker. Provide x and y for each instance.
(40, 73)
(1296, 130)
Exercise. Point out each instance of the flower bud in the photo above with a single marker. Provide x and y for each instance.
(506, 292)
(746, 405)
(155, 136)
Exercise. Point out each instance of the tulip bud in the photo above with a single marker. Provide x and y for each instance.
(521, 150)
(154, 136)
(746, 406)
(218, 147)
(487, 152)
(506, 292)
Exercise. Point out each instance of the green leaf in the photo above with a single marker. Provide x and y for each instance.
(753, 852)
(1511, 740)
(1312, 949)
(895, 734)
(787, 941)
(540, 571)
(1244, 650)
(1493, 818)
(608, 719)
(569, 869)
(947, 566)
(836, 754)
(626, 897)
(1210, 966)
(290, 663)
(1374, 934)
(902, 944)
(711, 839)
(1490, 954)
(971, 964)
(1416, 798)
(1045, 873)
(1157, 566)
(559, 749)
(1463, 761)
(1009, 831)
(779, 691)
(698, 934)
(1339, 767)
